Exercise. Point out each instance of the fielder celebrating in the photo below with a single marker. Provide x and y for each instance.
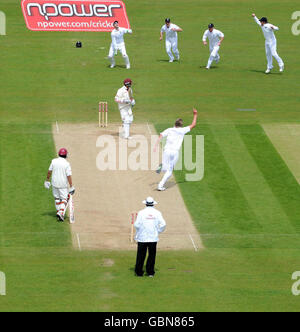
(118, 44)
(215, 38)
(149, 224)
(271, 43)
(175, 138)
(60, 170)
(125, 102)
(171, 30)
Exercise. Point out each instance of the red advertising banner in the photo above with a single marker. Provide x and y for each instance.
(74, 15)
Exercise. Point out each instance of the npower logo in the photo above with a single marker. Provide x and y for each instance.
(74, 15)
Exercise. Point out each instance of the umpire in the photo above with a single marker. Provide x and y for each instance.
(149, 224)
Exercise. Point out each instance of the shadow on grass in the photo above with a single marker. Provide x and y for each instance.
(263, 72)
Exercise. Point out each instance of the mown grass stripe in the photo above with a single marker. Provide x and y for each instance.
(251, 181)
(281, 181)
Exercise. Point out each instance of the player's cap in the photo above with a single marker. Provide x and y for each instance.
(63, 152)
(264, 19)
(128, 82)
(168, 20)
(211, 25)
(79, 44)
(149, 201)
(116, 22)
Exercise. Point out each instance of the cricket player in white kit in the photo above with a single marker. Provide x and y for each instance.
(60, 170)
(175, 138)
(215, 38)
(271, 43)
(171, 30)
(125, 101)
(118, 44)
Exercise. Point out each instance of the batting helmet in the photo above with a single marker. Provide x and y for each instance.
(63, 152)
(128, 82)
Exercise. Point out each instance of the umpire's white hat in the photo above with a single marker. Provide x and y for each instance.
(149, 201)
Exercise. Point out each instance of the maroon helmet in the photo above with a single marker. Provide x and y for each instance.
(63, 152)
(128, 82)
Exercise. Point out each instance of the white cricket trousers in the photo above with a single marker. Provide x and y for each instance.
(172, 46)
(214, 55)
(127, 119)
(113, 51)
(271, 51)
(170, 159)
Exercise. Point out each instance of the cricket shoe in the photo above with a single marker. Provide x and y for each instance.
(161, 188)
(158, 171)
(171, 60)
(128, 67)
(281, 69)
(207, 68)
(268, 71)
(60, 217)
(112, 66)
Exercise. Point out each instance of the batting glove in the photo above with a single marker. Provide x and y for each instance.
(72, 191)
(132, 102)
(47, 185)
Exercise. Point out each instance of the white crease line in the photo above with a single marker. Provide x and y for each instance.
(195, 247)
(57, 127)
(246, 109)
(78, 240)
(149, 129)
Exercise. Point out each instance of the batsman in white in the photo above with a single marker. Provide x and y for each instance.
(215, 38)
(125, 101)
(171, 30)
(62, 185)
(118, 44)
(271, 43)
(175, 138)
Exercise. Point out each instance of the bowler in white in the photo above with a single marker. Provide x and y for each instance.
(173, 145)
(149, 224)
(215, 38)
(171, 30)
(118, 44)
(271, 43)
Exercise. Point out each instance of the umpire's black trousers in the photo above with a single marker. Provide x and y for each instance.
(141, 256)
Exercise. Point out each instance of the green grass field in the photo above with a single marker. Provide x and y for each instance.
(247, 206)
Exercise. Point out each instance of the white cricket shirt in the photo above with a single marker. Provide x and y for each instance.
(123, 98)
(61, 169)
(175, 137)
(117, 36)
(267, 31)
(213, 37)
(149, 224)
(170, 34)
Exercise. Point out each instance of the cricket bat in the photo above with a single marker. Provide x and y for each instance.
(71, 210)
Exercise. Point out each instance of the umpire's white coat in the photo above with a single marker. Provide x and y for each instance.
(149, 224)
